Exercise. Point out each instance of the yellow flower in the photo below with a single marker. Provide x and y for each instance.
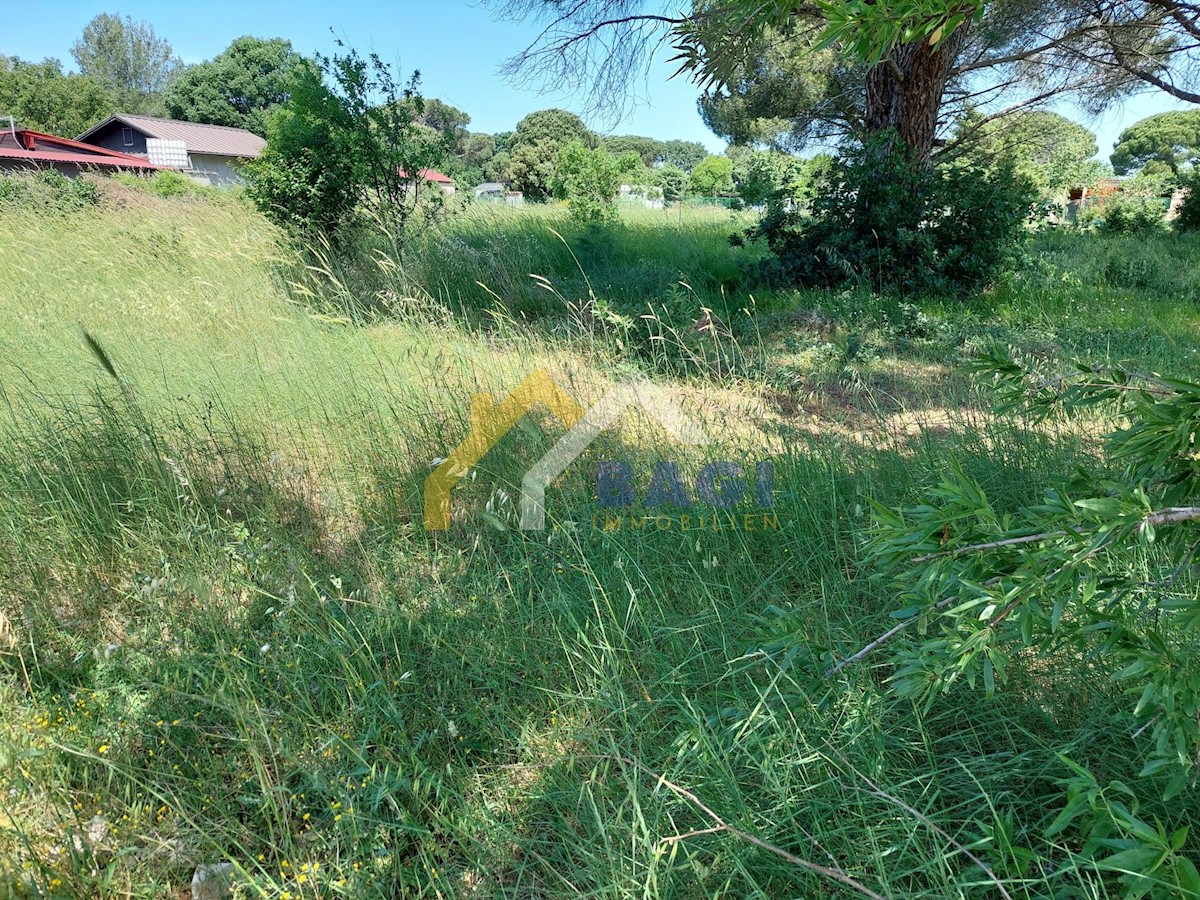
(104, 748)
(300, 879)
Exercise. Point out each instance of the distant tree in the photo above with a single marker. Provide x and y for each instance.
(129, 60)
(532, 168)
(347, 140)
(762, 176)
(713, 176)
(470, 155)
(684, 154)
(535, 145)
(1053, 152)
(648, 149)
(554, 125)
(589, 180)
(1166, 142)
(672, 181)
(499, 167)
(238, 87)
(1189, 210)
(43, 98)
(441, 116)
(504, 141)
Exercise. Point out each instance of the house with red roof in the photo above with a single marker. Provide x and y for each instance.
(23, 149)
(433, 176)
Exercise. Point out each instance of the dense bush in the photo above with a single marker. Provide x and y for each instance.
(1189, 210)
(347, 149)
(1134, 212)
(48, 190)
(877, 220)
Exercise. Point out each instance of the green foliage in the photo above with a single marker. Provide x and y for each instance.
(1188, 218)
(1164, 142)
(553, 126)
(589, 181)
(532, 169)
(534, 149)
(1132, 213)
(646, 148)
(879, 221)
(1050, 151)
(763, 176)
(870, 30)
(712, 176)
(47, 190)
(684, 155)
(128, 60)
(1061, 573)
(787, 94)
(45, 99)
(239, 87)
(164, 184)
(1140, 206)
(348, 146)
(672, 180)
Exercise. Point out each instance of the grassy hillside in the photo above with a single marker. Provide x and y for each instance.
(227, 636)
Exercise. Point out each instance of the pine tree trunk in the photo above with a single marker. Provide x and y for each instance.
(905, 90)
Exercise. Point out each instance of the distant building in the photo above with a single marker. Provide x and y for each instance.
(433, 176)
(209, 154)
(498, 192)
(22, 149)
(491, 190)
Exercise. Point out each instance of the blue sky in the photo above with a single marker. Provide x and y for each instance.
(457, 45)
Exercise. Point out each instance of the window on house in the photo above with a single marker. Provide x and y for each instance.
(127, 135)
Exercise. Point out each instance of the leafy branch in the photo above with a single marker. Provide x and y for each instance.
(977, 586)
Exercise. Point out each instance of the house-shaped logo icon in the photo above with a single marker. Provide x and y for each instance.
(491, 420)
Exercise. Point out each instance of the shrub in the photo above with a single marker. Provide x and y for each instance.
(1133, 212)
(877, 219)
(589, 181)
(347, 145)
(1189, 210)
(48, 190)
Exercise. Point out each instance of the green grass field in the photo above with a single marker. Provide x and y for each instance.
(227, 637)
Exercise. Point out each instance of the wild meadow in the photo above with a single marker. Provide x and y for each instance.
(228, 638)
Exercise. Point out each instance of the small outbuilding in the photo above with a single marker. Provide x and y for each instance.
(209, 154)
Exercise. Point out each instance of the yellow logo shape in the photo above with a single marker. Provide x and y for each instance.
(490, 421)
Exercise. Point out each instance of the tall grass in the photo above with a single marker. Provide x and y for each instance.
(230, 638)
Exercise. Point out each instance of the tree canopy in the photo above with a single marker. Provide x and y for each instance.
(713, 176)
(535, 144)
(555, 125)
(237, 87)
(915, 67)
(43, 98)
(589, 179)
(1053, 152)
(1166, 142)
(129, 60)
(682, 154)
